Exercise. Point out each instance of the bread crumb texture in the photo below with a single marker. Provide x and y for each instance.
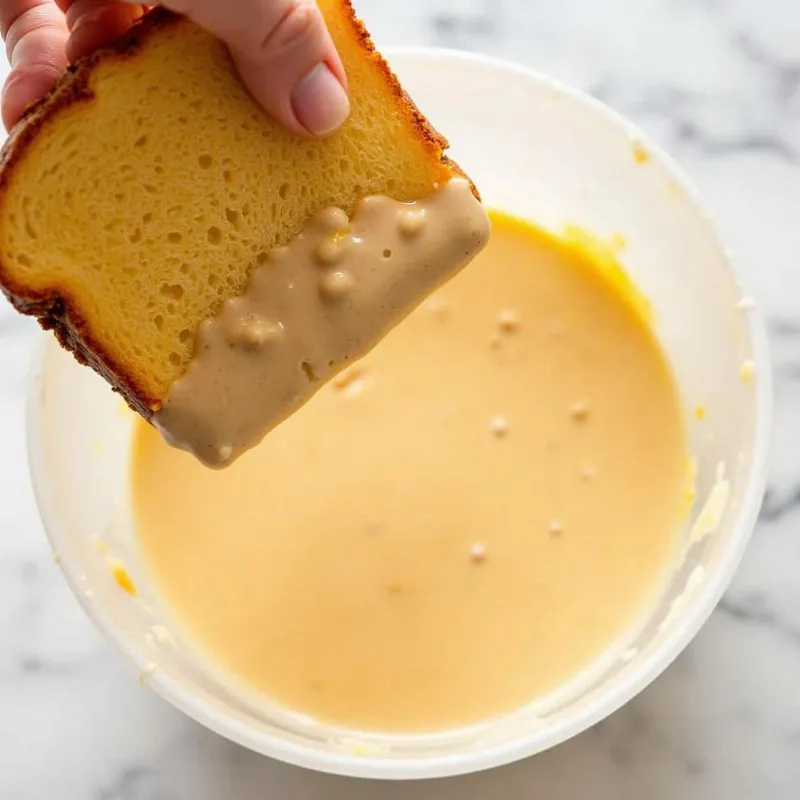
(140, 195)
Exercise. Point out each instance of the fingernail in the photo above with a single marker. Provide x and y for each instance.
(319, 101)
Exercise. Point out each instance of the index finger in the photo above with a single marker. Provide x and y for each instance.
(36, 34)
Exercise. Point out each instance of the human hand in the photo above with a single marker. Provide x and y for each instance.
(282, 49)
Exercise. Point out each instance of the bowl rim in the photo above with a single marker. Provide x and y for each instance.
(376, 766)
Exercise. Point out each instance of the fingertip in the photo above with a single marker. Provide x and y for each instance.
(314, 105)
(35, 42)
(320, 102)
(285, 56)
(96, 26)
(23, 87)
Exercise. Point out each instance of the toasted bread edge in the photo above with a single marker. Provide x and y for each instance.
(55, 309)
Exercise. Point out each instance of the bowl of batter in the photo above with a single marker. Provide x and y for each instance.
(491, 531)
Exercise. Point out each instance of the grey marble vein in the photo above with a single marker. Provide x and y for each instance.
(784, 73)
(754, 611)
(777, 505)
(134, 783)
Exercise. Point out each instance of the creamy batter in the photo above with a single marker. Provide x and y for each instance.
(456, 524)
(313, 306)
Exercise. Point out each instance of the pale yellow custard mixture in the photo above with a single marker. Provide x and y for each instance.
(454, 526)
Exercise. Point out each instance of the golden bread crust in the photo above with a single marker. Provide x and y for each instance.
(55, 308)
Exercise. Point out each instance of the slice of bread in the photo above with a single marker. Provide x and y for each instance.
(139, 194)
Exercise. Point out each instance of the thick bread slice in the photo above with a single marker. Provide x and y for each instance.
(138, 195)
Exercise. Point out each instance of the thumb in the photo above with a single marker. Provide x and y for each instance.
(285, 57)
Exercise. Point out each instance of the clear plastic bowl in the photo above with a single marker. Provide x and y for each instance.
(548, 153)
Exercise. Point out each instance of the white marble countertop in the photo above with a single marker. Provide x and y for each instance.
(717, 82)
